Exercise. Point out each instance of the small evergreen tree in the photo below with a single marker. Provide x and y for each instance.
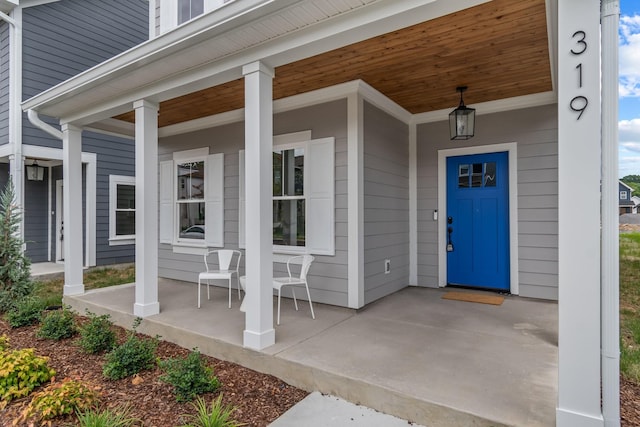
(15, 280)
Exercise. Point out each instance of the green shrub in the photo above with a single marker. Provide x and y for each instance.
(28, 311)
(189, 376)
(96, 335)
(59, 399)
(15, 271)
(116, 417)
(57, 325)
(20, 372)
(132, 356)
(4, 342)
(216, 416)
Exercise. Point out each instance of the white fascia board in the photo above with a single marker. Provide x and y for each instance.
(113, 127)
(509, 104)
(359, 24)
(32, 3)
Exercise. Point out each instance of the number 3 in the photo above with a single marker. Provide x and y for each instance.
(580, 42)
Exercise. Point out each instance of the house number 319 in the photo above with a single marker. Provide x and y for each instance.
(579, 103)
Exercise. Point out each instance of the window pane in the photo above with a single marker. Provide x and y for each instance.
(277, 173)
(191, 181)
(289, 222)
(191, 220)
(293, 166)
(126, 195)
(490, 174)
(183, 10)
(463, 176)
(125, 223)
(476, 175)
(197, 7)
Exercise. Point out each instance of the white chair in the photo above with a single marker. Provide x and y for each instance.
(225, 270)
(280, 282)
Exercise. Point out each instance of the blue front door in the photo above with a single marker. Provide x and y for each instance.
(478, 221)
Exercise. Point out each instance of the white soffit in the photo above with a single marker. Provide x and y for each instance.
(212, 48)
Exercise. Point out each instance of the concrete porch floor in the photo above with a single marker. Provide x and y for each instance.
(412, 354)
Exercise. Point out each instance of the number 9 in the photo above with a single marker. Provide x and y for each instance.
(579, 105)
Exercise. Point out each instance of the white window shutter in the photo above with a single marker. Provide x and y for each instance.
(166, 202)
(214, 196)
(242, 204)
(319, 185)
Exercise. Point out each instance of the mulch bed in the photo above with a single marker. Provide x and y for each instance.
(258, 398)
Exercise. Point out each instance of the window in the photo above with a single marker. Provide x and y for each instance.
(192, 200)
(122, 210)
(623, 195)
(288, 197)
(477, 175)
(303, 196)
(189, 9)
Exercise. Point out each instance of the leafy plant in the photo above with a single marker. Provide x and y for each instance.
(28, 311)
(4, 342)
(15, 282)
(116, 417)
(132, 356)
(218, 415)
(20, 372)
(96, 335)
(57, 325)
(59, 399)
(189, 376)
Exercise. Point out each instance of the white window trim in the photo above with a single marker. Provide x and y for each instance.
(114, 181)
(288, 141)
(214, 199)
(623, 195)
(285, 249)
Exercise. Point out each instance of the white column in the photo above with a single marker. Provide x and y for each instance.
(579, 228)
(146, 140)
(610, 10)
(355, 202)
(258, 81)
(72, 201)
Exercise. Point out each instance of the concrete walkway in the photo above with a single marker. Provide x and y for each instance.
(412, 354)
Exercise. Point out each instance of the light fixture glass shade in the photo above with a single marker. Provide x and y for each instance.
(462, 122)
(35, 172)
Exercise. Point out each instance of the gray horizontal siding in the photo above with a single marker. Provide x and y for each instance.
(67, 37)
(535, 131)
(386, 203)
(328, 274)
(35, 210)
(115, 156)
(4, 83)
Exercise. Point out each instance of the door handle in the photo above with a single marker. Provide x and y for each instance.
(449, 243)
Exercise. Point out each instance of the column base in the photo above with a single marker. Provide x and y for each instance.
(259, 341)
(73, 289)
(146, 310)
(565, 418)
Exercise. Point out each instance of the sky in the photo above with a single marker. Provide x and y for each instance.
(629, 88)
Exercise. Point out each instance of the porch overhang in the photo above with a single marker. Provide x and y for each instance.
(403, 49)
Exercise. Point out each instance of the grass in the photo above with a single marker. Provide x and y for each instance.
(51, 290)
(630, 306)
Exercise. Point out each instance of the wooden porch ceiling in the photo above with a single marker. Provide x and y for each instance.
(498, 49)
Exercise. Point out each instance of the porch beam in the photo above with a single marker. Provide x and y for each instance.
(146, 141)
(258, 79)
(72, 206)
(579, 164)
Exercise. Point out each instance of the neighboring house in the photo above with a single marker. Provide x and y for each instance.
(636, 203)
(321, 127)
(43, 43)
(627, 204)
